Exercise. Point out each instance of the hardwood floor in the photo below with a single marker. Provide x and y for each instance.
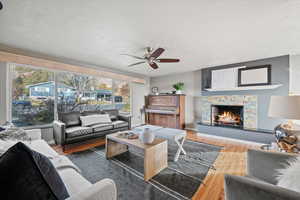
(231, 160)
(69, 149)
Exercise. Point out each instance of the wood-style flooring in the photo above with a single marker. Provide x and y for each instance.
(231, 160)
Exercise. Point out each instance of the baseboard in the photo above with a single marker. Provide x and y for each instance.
(191, 129)
(229, 139)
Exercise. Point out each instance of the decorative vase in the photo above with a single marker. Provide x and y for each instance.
(178, 92)
(147, 137)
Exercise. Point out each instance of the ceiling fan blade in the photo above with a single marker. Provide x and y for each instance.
(138, 63)
(167, 60)
(153, 65)
(157, 53)
(137, 57)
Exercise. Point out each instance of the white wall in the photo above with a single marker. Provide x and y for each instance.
(295, 78)
(294, 75)
(138, 93)
(192, 89)
(3, 92)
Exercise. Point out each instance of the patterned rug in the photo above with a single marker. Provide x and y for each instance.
(180, 180)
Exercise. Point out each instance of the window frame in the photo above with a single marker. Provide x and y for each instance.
(10, 70)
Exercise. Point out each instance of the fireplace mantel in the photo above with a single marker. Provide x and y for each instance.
(260, 87)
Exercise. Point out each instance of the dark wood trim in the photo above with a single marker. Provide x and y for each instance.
(269, 82)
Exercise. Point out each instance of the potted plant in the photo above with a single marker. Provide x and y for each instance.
(178, 87)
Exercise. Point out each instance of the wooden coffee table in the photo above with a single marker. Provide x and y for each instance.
(155, 154)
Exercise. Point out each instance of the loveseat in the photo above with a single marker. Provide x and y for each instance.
(260, 181)
(68, 129)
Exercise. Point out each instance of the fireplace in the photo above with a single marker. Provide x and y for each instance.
(227, 116)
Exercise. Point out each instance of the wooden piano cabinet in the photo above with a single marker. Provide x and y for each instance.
(164, 120)
(165, 110)
(163, 101)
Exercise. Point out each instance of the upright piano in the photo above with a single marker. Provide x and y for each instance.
(165, 110)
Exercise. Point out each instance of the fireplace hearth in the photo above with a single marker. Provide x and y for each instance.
(227, 116)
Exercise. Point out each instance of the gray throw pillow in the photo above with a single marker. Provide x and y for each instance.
(14, 134)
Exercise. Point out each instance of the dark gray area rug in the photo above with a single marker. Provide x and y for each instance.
(179, 181)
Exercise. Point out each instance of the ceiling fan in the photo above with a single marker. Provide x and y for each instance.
(151, 57)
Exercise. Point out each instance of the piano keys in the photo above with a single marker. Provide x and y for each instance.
(165, 110)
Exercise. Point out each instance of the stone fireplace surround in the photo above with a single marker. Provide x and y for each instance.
(249, 103)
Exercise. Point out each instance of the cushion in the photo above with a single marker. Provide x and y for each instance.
(38, 145)
(27, 174)
(119, 124)
(74, 181)
(95, 119)
(14, 134)
(76, 131)
(113, 113)
(102, 127)
(289, 177)
(71, 119)
(92, 112)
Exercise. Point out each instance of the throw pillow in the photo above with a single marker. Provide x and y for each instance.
(26, 174)
(91, 120)
(113, 117)
(14, 134)
(289, 177)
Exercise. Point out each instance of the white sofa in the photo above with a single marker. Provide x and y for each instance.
(77, 186)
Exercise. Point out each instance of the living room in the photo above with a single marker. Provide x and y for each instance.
(149, 100)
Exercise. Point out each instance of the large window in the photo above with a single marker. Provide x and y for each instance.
(32, 96)
(80, 93)
(35, 92)
(122, 96)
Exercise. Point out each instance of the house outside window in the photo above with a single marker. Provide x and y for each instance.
(35, 90)
(88, 93)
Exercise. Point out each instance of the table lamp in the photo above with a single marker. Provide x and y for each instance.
(285, 107)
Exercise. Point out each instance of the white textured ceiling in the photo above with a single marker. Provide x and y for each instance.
(201, 33)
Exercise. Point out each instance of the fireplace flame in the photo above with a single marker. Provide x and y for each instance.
(229, 117)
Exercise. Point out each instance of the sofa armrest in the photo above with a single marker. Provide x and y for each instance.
(125, 118)
(103, 190)
(238, 187)
(264, 165)
(59, 130)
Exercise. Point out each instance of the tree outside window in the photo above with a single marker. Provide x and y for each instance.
(122, 96)
(82, 93)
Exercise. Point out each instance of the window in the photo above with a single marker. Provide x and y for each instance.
(35, 90)
(80, 92)
(122, 96)
(32, 96)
